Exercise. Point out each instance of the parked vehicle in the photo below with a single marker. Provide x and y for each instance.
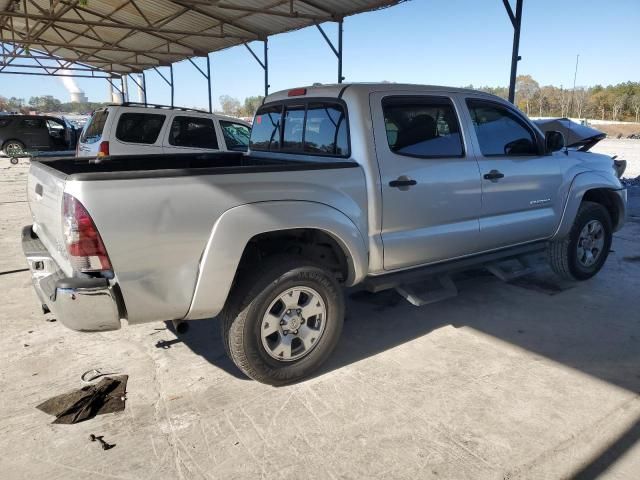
(20, 133)
(371, 184)
(136, 129)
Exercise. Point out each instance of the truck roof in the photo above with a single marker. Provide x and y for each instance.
(333, 90)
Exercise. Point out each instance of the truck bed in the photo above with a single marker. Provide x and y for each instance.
(167, 165)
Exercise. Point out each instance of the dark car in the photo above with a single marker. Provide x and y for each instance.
(19, 133)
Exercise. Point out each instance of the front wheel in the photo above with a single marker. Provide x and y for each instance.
(583, 252)
(280, 325)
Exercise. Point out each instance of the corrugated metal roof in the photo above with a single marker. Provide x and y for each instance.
(132, 35)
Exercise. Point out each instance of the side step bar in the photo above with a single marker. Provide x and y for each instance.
(432, 284)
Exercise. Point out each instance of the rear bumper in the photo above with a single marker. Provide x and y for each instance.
(81, 303)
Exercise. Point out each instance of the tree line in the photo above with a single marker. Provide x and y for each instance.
(619, 102)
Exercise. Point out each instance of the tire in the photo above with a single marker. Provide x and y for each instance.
(568, 259)
(11, 147)
(258, 298)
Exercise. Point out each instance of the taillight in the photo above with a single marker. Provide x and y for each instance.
(103, 150)
(84, 244)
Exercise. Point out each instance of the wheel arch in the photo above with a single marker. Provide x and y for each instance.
(235, 230)
(594, 187)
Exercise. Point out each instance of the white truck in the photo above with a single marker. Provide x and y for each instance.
(372, 184)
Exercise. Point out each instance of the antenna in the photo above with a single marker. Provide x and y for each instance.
(575, 74)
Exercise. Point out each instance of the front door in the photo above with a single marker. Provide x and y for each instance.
(430, 186)
(520, 183)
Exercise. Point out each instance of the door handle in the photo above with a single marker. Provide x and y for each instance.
(493, 175)
(403, 183)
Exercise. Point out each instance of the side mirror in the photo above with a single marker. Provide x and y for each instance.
(553, 141)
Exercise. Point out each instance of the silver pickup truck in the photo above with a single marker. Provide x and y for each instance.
(373, 184)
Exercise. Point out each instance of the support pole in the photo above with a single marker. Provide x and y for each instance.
(209, 83)
(515, 57)
(266, 67)
(340, 77)
(122, 99)
(171, 76)
(144, 87)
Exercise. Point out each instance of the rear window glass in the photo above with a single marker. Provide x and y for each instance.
(93, 130)
(293, 128)
(4, 122)
(236, 135)
(139, 127)
(326, 130)
(314, 128)
(195, 132)
(265, 132)
(422, 127)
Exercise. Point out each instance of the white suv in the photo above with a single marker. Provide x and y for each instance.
(136, 129)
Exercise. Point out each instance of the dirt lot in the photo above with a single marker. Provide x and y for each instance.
(627, 149)
(535, 379)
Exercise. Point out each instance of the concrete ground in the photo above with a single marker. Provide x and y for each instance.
(531, 380)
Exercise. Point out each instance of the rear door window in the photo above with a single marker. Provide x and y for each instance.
(93, 131)
(32, 123)
(194, 132)
(311, 128)
(139, 127)
(236, 135)
(425, 127)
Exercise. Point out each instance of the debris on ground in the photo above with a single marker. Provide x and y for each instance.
(106, 396)
(103, 443)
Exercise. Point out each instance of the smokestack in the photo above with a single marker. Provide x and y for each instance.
(142, 95)
(76, 94)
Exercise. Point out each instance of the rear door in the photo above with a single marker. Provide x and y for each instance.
(520, 184)
(190, 133)
(430, 186)
(33, 132)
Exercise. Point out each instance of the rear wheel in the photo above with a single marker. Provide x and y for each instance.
(13, 149)
(282, 325)
(584, 251)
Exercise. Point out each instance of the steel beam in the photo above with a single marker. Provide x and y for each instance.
(336, 51)
(263, 63)
(206, 75)
(515, 57)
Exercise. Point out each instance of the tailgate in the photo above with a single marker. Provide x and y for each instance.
(45, 190)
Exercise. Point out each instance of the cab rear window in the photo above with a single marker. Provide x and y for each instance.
(93, 131)
(304, 127)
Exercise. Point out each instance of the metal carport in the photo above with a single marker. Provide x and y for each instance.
(113, 39)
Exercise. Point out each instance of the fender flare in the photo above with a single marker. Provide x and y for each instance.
(582, 183)
(235, 227)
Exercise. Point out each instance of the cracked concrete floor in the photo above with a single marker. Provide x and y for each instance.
(536, 379)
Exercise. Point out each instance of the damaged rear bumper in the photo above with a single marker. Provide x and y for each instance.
(85, 304)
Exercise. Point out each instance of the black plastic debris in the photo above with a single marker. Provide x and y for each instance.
(106, 396)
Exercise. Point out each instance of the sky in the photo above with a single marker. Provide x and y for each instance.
(453, 42)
